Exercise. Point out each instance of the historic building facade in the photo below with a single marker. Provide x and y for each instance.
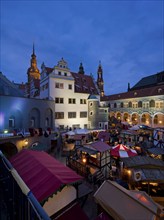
(142, 104)
(71, 92)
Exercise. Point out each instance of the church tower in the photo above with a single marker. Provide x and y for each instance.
(81, 69)
(33, 71)
(100, 82)
(33, 74)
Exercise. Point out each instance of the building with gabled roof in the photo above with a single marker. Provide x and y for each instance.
(71, 92)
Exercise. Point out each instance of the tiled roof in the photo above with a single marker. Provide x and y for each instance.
(150, 91)
(151, 80)
(84, 84)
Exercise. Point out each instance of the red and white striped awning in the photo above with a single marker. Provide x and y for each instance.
(121, 150)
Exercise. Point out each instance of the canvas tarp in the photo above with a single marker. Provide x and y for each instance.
(43, 174)
(123, 204)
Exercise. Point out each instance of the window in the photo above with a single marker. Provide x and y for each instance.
(70, 86)
(83, 101)
(71, 101)
(91, 113)
(59, 73)
(65, 74)
(152, 103)
(140, 104)
(59, 100)
(47, 122)
(59, 115)
(71, 114)
(32, 122)
(83, 114)
(12, 122)
(91, 104)
(59, 85)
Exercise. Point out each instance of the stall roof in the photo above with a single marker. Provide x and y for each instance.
(111, 197)
(156, 151)
(100, 146)
(153, 175)
(86, 149)
(142, 162)
(43, 174)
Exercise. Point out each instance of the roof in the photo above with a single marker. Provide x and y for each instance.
(38, 169)
(111, 197)
(150, 91)
(84, 84)
(150, 80)
(87, 149)
(100, 146)
(153, 175)
(156, 151)
(10, 88)
(143, 162)
(104, 135)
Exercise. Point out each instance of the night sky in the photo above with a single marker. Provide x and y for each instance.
(126, 36)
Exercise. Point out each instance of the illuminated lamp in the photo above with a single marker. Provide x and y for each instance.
(6, 131)
(26, 142)
(84, 160)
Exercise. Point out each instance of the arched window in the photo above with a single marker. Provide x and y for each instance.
(122, 104)
(152, 103)
(11, 122)
(130, 104)
(115, 105)
(140, 104)
(109, 105)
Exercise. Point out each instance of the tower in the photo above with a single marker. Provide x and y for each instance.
(33, 71)
(81, 69)
(100, 82)
(33, 74)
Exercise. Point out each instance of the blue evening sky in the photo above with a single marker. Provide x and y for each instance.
(126, 36)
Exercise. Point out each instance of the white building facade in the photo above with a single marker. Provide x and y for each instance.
(70, 92)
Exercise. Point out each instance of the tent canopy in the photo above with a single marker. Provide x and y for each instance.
(138, 204)
(121, 150)
(43, 174)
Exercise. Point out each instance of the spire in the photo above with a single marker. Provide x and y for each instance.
(33, 52)
(100, 82)
(128, 87)
(81, 69)
(33, 49)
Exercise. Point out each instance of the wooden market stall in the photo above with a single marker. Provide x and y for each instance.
(91, 160)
